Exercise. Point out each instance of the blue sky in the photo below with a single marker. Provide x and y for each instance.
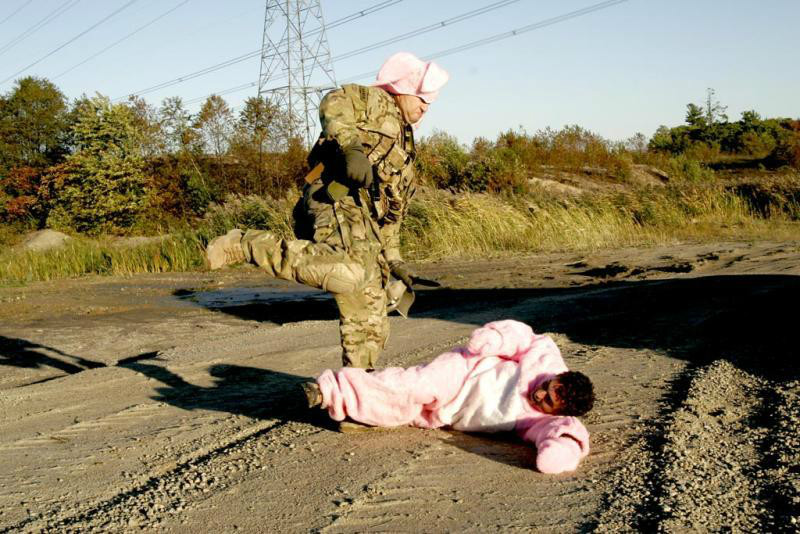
(627, 68)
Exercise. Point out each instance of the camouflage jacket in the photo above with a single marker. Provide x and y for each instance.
(369, 115)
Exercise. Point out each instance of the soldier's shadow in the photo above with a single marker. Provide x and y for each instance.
(249, 391)
(27, 354)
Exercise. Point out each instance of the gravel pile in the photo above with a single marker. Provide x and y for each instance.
(723, 459)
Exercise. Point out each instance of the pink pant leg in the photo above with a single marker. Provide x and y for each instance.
(393, 396)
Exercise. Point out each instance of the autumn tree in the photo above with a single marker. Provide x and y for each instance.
(148, 127)
(214, 124)
(256, 134)
(176, 125)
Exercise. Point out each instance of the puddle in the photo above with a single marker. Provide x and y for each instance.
(246, 296)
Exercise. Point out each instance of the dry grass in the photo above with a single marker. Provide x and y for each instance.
(442, 225)
(81, 256)
(478, 225)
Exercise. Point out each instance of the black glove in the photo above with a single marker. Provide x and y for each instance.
(358, 166)
(401, 271)
(357, 170)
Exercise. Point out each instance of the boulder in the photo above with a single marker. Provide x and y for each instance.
(44, 240)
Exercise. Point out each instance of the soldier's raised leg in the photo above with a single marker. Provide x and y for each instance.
(314, 264)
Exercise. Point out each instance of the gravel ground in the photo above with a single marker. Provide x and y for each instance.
(170, 402)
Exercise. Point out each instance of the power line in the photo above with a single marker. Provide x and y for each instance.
(467, 46)
(419, 31)
(115, 43)
(407, 35)
(257, 53)
(20, 8)
(84, 32)
(46, 20)
(511, 33)
(224, 92)
(530, 27)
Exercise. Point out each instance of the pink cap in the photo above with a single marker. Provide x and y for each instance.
(406, 74)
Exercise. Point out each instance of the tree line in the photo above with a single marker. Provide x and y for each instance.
(708, 134)
(94, 166)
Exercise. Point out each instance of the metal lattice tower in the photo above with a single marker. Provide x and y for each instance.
(296, 69)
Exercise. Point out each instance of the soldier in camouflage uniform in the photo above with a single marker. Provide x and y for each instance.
(349, 219)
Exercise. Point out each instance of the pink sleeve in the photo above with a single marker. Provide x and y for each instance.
(561, 443)
(507, 339)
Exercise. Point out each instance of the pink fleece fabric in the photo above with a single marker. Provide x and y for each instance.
(406, 74)
(481, 387)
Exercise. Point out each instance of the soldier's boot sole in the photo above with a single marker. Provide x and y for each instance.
(313, 393)
(349, 426)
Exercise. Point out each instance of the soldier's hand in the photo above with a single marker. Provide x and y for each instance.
(401, 271)
(358, 166)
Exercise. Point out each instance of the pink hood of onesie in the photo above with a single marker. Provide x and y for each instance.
(406, 74)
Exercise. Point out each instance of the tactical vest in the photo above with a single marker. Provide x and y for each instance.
(371, 116)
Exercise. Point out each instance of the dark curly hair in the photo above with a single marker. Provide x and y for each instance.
(576, 393)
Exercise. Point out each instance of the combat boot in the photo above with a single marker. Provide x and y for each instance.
(225, 250)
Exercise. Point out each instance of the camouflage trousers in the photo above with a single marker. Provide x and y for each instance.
(344, 257)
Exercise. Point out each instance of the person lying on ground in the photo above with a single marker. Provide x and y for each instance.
(505, 378)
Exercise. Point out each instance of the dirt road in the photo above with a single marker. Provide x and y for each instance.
(170, 402)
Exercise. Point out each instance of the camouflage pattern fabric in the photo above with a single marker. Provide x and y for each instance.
(346, 246)
(369, 116)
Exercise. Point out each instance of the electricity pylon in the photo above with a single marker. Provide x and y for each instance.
(296, 69)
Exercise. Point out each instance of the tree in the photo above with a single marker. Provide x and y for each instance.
(695, 116)
(255, 135)
(214, 123)
(637, 143)
(148, 127)
(175, 125)
(750, 119)
(32, 124)
(101, 186)
(714, 111)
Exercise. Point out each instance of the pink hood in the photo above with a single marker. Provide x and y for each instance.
(406, 74)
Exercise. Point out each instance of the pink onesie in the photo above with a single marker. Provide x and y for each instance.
(481, 387)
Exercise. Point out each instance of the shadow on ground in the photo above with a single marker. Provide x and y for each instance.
(746, 319)
(16, 352)
(248, 391)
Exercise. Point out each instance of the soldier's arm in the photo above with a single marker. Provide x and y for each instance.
(390, 230)
(339, 112)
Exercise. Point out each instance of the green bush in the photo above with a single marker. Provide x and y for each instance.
(101, 187)
(688, 169)
(442, 161)
(250, 212)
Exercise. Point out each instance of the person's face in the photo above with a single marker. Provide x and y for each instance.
(412, 107)
(545, 398)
